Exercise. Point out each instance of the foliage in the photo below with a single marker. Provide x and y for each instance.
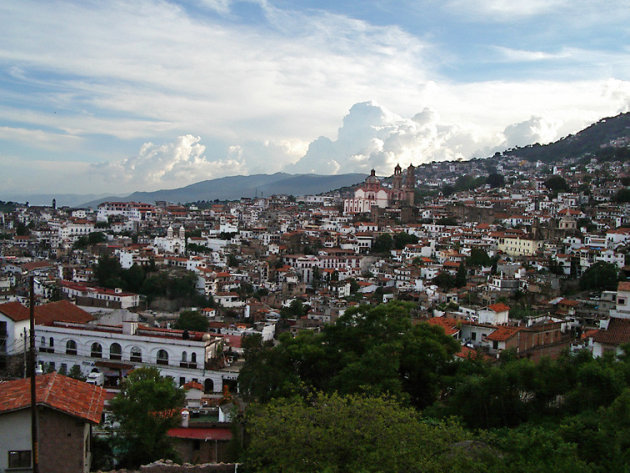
(403, 238)
(334, 433)
(383, 243)
(448, 221)
(444, 281)
(369, 350)
(478, 257)
(92, 238)
(75, 372)
(460, 277)
(600, 276)
(192, 320)
(495, 180)
(556, 184)
(146, 407)
(622, 195)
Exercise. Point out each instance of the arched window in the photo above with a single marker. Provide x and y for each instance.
(51, 342)
(115, 352)
(136, 354)
(96, 350)
(184, 357)
(193, 358)
(208, 386)
(162, 357)
(71, 347)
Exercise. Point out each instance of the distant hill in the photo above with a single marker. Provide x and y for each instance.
(591, 140)
(235, 187)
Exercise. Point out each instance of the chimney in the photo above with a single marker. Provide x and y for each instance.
(129, 327)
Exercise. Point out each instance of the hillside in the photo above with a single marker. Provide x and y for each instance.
(235, 187)
(591, 140)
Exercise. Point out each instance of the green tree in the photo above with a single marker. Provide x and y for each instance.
(444, 280)
(601, 276)
(460, 277)
(334, 433)
(402, 239)
(556, 184)
(108, 272)
(192, 320)
(383, 243)
(495, 180)
(622, 195)
(478, 257)
(146, 407)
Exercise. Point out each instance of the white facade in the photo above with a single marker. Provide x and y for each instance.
(114, 350)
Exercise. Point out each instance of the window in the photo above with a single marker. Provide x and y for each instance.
(162, 357)
(71, 347)
(51, 343)
(96, 351)
(19, 458)
(193, 358)
(136, 354)
(115, 352)
(473, 335)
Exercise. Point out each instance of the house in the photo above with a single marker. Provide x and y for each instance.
(14, 332)
(610, 338)
(67, 409)
(495, 314)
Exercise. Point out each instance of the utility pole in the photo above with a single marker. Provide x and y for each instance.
(25, 352)
(34, 439)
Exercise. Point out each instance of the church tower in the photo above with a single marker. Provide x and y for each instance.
(410, 185)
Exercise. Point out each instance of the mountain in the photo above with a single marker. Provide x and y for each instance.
(592, 140)
(235, 187)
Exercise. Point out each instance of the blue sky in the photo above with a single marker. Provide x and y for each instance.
(112, 97)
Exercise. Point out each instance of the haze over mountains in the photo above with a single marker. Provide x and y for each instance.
(591, 140)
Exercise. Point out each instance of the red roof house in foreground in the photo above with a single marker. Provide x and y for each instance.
(67, 408)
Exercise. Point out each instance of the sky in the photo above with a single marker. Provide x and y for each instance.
(118, 96)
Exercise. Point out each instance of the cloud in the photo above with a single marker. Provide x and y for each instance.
(534, 130)
(168, 165)
(371, 137)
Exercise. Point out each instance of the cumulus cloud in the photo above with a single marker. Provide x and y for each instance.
(371, 137)
(534, 130)
(169, 165)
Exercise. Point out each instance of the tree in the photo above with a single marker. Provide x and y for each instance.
(146, 407)
(108, 271)
(495, 180)
(402, 239)
(478, 257)
(460, 277)
(556, 184)
(383, 243)
(444, 280)
(335, 433)
(192, 320)
(601, 276)
(622, 195)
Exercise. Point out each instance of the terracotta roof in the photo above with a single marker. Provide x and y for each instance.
(61, 311)
(202, 433)
(502, 334)
(15, 311)
(499, 307)
(449, 325)
(193, 385)
(623, 286)
(618, 332)
(58, 392)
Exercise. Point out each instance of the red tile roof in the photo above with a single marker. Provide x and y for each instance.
(58, 392)
(502, 334)
(623, 286)
(499, 307)
(193, 385)
(202, 433)
(618, 332)
(15, 311)
(449, 325)
(62, 311)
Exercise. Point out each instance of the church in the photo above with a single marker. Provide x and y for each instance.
(373, 193)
